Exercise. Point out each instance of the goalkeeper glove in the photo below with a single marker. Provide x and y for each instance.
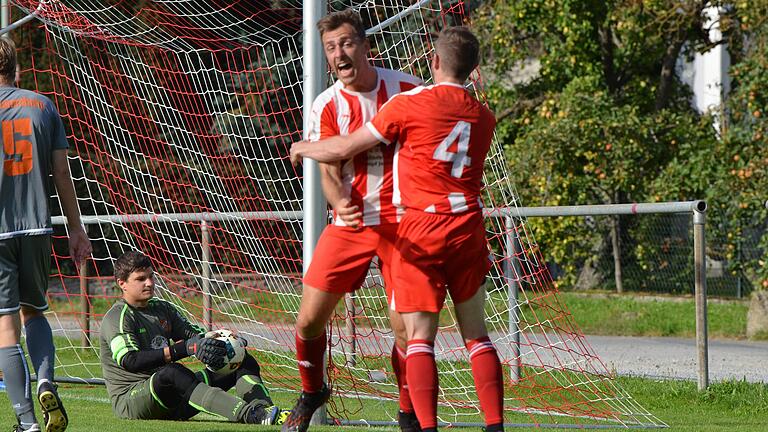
(212, 352)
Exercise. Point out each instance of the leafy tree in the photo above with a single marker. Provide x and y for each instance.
(606, 113)
(731, 174)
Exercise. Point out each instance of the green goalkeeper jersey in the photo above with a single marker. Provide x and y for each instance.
(126, 328)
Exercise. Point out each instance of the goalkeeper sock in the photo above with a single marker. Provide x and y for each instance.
(250, 388)
(40, 347)
(17, 383)
(398, 366)
(216, 401)
(309, 354)
(421, 372)
(486, 370)
(249, 385)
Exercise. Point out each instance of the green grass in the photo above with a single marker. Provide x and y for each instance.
(731, 406)
(633, 315)
(597, 313)
(734, 406)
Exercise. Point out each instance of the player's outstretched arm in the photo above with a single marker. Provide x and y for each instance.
(335, 148)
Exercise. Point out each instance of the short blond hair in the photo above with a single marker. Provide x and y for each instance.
(7, 59)
(459, 51)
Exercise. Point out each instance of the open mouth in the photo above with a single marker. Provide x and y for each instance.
(343, 66)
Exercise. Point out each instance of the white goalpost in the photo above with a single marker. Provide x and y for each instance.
(180, 114)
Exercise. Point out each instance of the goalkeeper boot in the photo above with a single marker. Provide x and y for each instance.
(301, 414)
(408, 422)
(260, 414)
(282, 416)
(54, 416)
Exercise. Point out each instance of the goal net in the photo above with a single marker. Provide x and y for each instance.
(180, 114)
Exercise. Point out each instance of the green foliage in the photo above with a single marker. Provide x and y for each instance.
(605, 119)
(730, 173)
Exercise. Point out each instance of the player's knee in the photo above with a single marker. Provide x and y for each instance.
(250, 365)
(29, 313)
(174, 376)
(309, 326)
(9, 330)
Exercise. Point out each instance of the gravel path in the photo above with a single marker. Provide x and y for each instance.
(676, 358)
(662, 357)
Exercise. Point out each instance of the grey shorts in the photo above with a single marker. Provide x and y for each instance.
(25, 264)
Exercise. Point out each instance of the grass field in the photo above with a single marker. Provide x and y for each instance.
(596, 313)
(633, 315)
(731, 406)
(726, 406)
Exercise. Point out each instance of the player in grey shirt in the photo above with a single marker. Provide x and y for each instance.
(34, 149)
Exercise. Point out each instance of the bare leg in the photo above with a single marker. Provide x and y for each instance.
(10, 330)
(471, 317)
(315, 310)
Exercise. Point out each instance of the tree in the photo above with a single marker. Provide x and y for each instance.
(606, 113)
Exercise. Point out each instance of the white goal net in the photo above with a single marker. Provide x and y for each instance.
(180, 114)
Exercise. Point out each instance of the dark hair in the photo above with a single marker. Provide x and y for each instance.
(130, 262)
(7, 59)
(459, 51)
(335, 20)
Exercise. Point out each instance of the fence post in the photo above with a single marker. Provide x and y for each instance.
(85, 306)
(206, 275)
(349, 302)
(700, 275)
(513, 287)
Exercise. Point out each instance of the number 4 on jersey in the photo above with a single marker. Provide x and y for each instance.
(459, 158)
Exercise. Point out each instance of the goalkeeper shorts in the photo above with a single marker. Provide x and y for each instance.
(343, 256)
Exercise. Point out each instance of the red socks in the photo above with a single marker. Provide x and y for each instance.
(309, 354)
(398, 366)
(489, 383)
(421, 372)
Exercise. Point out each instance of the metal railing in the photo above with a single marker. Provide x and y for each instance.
(696, 208)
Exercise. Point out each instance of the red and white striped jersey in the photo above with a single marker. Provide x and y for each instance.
(368, 177)
(445, 135)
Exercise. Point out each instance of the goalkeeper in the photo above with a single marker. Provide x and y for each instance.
(142, 337)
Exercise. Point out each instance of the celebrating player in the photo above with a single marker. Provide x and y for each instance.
(142, 337)
(35, 148)
(445, 136)
(361, 193)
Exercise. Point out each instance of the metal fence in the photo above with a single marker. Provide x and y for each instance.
(691, 275)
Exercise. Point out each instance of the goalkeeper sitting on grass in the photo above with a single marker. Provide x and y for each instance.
(142, 338)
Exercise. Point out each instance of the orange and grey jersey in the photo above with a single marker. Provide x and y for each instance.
(32, 129)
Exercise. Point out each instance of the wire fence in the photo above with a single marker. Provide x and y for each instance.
(656, 257)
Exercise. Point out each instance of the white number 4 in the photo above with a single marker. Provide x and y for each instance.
(460, 159)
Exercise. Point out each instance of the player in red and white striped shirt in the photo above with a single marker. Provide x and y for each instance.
(443, 135)
(360, 190)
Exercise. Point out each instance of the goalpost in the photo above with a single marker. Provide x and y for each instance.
(182, 113)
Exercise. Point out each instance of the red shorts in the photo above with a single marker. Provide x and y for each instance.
(343, 256)
(438, 254)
